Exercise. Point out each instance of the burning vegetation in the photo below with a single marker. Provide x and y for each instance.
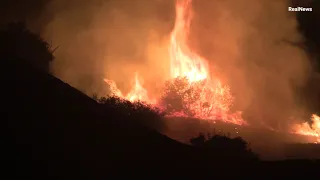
(311, 128)
(192, 90)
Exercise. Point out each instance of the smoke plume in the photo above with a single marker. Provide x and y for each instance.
(251, 44)
(109, 39)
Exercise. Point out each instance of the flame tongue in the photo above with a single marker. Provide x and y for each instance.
(307, 129)
(138, 93)
(214, 99)
(185, 63)
(113, 88)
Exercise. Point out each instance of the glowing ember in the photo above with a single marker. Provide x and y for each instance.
(312, 129)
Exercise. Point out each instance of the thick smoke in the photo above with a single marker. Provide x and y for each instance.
(248, 44)
(111, 39)
(251, 44)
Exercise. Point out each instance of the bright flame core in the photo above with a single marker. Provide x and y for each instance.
(185, 63)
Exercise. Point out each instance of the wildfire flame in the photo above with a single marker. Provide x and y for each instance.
(214, 100)
(185, 63)
(312, 129)
(137, 93)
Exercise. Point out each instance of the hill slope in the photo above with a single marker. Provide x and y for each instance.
(53, 130)
(59, 129)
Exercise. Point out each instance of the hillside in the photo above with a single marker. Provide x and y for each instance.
(269, 144)
(53, 130)
(63, 130)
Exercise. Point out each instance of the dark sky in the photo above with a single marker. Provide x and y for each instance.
(21, 8)
(310, 23)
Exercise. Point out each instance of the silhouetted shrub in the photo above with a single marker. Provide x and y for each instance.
(224, 147)
(198, 141)
(136, 111)
(16, 41)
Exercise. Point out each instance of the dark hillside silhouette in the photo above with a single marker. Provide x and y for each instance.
(61, 129)
(63, 132)
(17, 41)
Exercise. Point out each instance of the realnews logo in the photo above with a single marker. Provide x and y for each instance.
(297, 9)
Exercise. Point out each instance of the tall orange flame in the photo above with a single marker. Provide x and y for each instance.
(215, 99)
(184, 62)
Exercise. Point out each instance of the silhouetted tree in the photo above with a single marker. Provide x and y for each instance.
(224, 147)
(198, 141)
(16, 41)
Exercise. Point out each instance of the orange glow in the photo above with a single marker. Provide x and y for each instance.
(184, 62)
(214, 100)
(312, 129)
(138, 93)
